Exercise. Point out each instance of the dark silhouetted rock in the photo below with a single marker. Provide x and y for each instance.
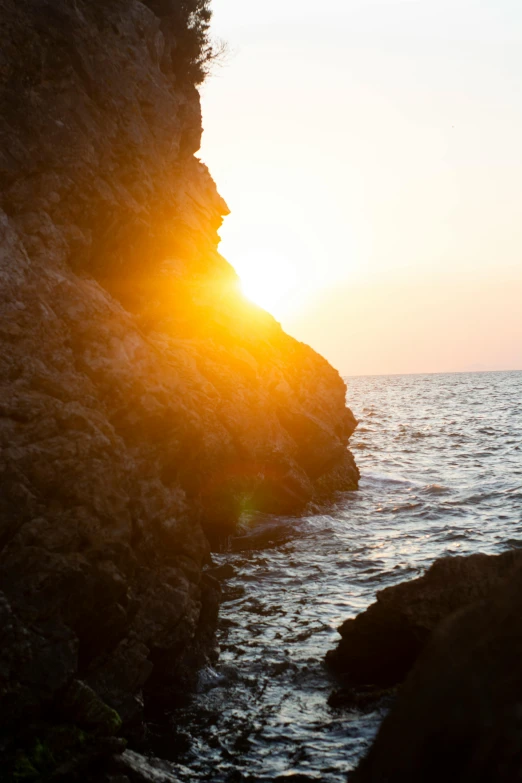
(458, 717)
(380, 646)
(365, 697)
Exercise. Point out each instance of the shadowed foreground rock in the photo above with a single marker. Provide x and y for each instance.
(380, 645)
(143, 401)
(458, 715)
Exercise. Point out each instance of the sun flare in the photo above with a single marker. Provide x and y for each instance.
(268, 279)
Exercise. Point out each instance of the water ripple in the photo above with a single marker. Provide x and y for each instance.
(441, 474)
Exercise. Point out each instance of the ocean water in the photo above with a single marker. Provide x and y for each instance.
(441, 464)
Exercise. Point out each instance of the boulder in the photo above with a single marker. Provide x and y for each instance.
(457, 717)
(380, 645)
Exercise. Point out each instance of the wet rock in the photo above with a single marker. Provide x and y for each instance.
(342, 476)
(457, 717)
(380, 646)
(140, 769)
(362, 698)
(223, 572)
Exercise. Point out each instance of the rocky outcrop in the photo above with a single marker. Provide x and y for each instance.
(457, 716)
(379, 646)
(143, 402)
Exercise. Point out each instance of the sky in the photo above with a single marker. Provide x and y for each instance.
(370, 152)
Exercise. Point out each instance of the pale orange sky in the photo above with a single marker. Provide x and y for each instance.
(370, 153)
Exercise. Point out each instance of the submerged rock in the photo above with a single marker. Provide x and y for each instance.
(365, 697)
(139, 769)
(457, 716)
(144, 404)
(379, 646)
(222, 572)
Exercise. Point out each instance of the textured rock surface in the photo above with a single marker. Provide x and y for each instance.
(380, 646)
(142, 400)
(457, 716)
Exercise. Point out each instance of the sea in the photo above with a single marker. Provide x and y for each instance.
(441, 474)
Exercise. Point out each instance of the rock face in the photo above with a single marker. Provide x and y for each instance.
(457, 716)
(143, 402)
(380, 646)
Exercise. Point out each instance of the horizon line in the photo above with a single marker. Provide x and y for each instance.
(438, 372)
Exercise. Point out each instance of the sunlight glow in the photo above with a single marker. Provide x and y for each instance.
(379, 154)
(268, 279)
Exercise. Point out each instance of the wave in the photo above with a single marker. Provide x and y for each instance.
(436, 489)
(388, 478)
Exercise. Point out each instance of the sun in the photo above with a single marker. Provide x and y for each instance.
(269, 279)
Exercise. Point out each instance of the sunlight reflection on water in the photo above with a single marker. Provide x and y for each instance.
(441, 464)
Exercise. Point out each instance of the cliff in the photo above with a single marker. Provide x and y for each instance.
(143, 402)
